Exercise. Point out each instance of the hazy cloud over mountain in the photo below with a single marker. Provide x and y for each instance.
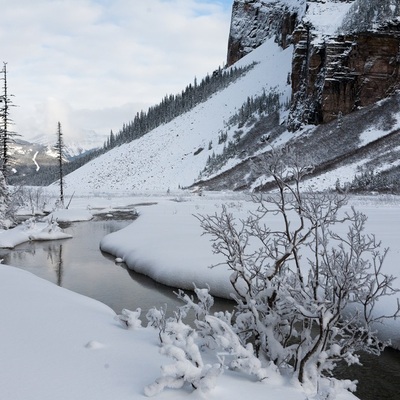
(92, 64)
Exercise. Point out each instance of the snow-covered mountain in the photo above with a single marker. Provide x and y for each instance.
(35, 162)
(331, 90)
(174, 154)
(73, 147)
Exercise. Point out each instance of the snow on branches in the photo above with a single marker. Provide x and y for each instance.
(306, 276)
(211, 337)
(306, 279)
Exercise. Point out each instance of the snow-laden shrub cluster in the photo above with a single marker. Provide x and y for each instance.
(305, 293)
(130, 319)
(369, 180)
(212, 337)
(33, 199)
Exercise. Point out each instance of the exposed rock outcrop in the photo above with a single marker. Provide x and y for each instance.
(346, 72)
(332, 76)
(254, 21)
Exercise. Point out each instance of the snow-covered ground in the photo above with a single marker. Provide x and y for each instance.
(168, 157)
(326, 17)
(58, 344)
(166, 243)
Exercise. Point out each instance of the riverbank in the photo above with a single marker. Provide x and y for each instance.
(167, 244)
(57, 344)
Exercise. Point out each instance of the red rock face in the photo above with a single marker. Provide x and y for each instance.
(370, 73)
(345, 73)
(328, 79)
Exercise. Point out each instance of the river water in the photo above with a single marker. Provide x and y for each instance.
(78, 264)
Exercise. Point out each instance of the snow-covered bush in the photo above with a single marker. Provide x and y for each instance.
(368, 180)
(32, 199)
(212, 337)
(305, 293)
(179, 341)
(130, 319)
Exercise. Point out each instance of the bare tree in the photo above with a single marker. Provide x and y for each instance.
(305, 291)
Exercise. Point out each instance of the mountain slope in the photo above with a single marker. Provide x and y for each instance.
(223, 142)
(174, 154)
(36, 162)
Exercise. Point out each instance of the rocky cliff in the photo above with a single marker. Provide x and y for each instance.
(344, 73)
(254, 21)
(332, 74)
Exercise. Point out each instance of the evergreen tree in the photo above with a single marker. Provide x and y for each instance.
(365, 15)
(6, 213)
(6, 136)
(60, 150)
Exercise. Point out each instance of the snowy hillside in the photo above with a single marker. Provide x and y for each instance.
(207, 146)
(174, 154)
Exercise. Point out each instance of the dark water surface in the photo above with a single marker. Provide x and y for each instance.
(78, 264)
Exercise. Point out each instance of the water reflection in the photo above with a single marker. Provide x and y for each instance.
(78, 265)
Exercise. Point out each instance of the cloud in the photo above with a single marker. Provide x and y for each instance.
(98, 62)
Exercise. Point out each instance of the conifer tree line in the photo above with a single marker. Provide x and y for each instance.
(365, 15)
(265, 104)
(169, 108)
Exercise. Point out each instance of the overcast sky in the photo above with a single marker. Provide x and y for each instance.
(92, 64)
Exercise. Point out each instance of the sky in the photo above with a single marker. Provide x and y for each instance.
(93, 64)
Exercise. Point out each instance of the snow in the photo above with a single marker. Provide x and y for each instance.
(56, 344)
(35, 162)
(165, 157)
(31, 230)
(65, 345)
(326, 17)
(70, 215)
(166, 243)
(379, 130)
(44, 229)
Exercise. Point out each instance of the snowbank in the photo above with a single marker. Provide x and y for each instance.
(46, 230)
(166, 243)
(57, 344)
(31, 230)
(71, 215)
